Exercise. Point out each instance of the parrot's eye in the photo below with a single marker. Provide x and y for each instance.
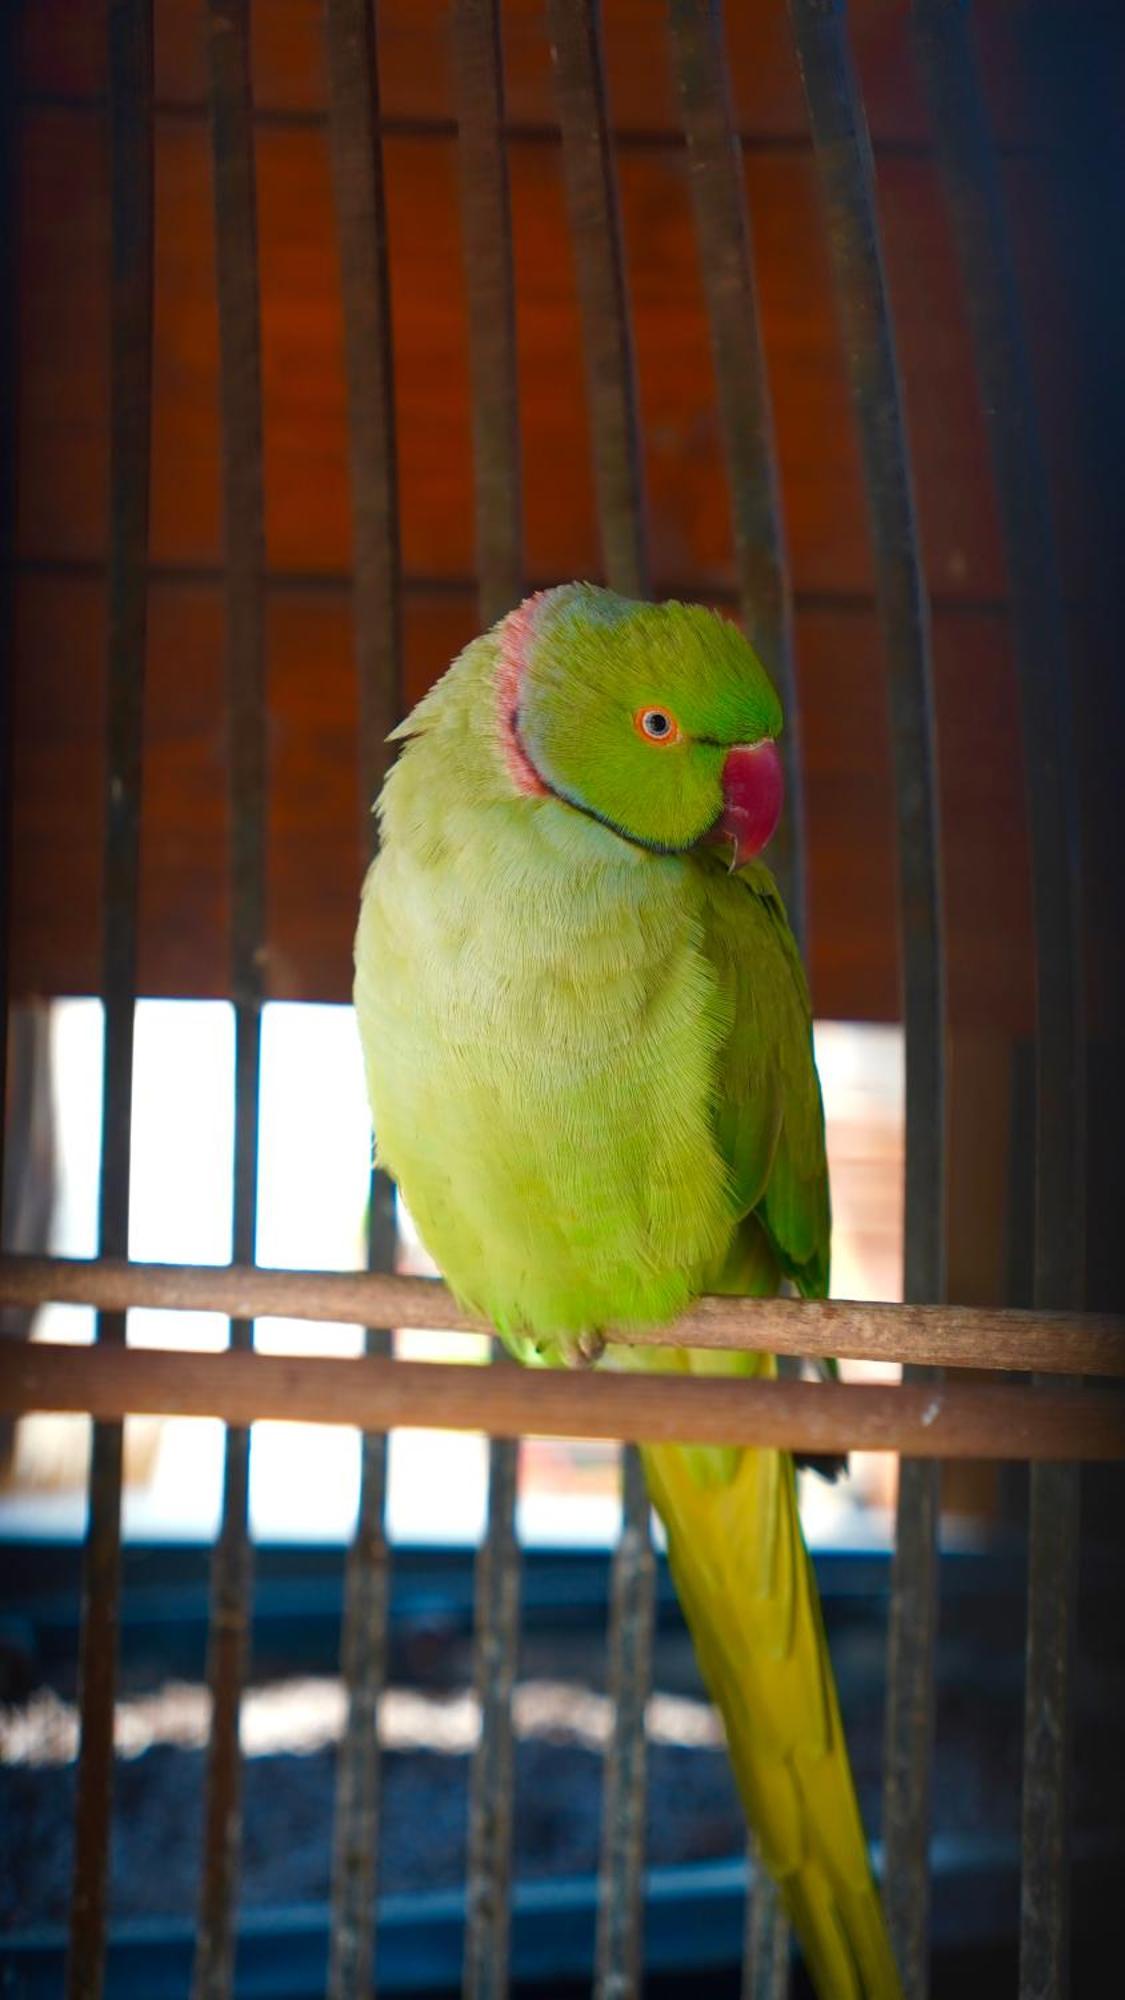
(658, 724)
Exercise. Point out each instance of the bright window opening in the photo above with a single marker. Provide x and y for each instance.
(313, 1181)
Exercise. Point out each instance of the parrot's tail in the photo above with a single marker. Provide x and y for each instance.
(748, 1593)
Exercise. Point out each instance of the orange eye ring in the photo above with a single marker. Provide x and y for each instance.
(658, 726)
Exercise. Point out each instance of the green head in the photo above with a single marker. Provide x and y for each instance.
(657, 719)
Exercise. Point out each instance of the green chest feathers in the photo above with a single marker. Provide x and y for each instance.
(540, 1023)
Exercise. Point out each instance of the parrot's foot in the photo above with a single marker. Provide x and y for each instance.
(587, 1350)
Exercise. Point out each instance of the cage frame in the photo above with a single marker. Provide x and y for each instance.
(1053, 1423)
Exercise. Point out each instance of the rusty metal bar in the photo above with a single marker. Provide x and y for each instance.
(10, 35)
(965, 151)
(765, 1954)
(1061, 1343)
(1052, 1594)
(595, 222)
(236, 246)
(722, 221)
(935, 1420)
(486, 229)
(909, 1727)
(843, 152)
(357, 165)
(619, 1967)
(496, 1649)
(131, 297)
(363, 1657)
(227, 1647)
(361, 222)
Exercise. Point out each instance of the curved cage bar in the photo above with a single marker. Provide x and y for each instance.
(236, 239)
(360, 200)
(131, 161)
(615, 445)
(1038, 617)
(486, 227)
(843, 151)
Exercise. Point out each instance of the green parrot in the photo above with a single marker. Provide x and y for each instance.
(588, 1047)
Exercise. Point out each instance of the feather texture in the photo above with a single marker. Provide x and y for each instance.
(588, 1049)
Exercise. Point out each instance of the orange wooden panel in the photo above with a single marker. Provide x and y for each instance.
(65, 39)
(63, 336)
(986, 853)
(850, 805)
(314, 865)
(1041, 257)
(57, 807)
(63, 349)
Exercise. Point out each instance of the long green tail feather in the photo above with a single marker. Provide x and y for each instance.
(749, 1595)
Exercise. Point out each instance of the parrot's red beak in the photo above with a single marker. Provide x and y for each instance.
(753, 790)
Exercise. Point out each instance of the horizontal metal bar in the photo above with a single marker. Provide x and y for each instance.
(452, 583)
(183, 111)
(693, 1923)
(926, 1420)
(946, 1336)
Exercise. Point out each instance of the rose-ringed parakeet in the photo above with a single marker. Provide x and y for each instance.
(588, 1046)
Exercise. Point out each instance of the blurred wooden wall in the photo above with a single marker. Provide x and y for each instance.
(60, 197)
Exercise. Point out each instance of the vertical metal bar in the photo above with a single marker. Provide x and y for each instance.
(595, 221)
(10, 27)
(361, 222)
(1052, 1594)
(236, 241)
(968, 166)
(497, 1606)
(765, 1954)
(357, 162)
(843, 153)
(487, 241)
(574, 27)
(486, 228)
(723, 227)
(620, 1939)
(909, 1729)
(131, 164)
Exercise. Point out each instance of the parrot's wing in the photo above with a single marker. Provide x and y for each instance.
(734, 1538)
(769, 1117)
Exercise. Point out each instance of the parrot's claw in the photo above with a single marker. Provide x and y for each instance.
(588, 1349)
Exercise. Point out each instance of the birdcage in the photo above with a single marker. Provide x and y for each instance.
(670, 138)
